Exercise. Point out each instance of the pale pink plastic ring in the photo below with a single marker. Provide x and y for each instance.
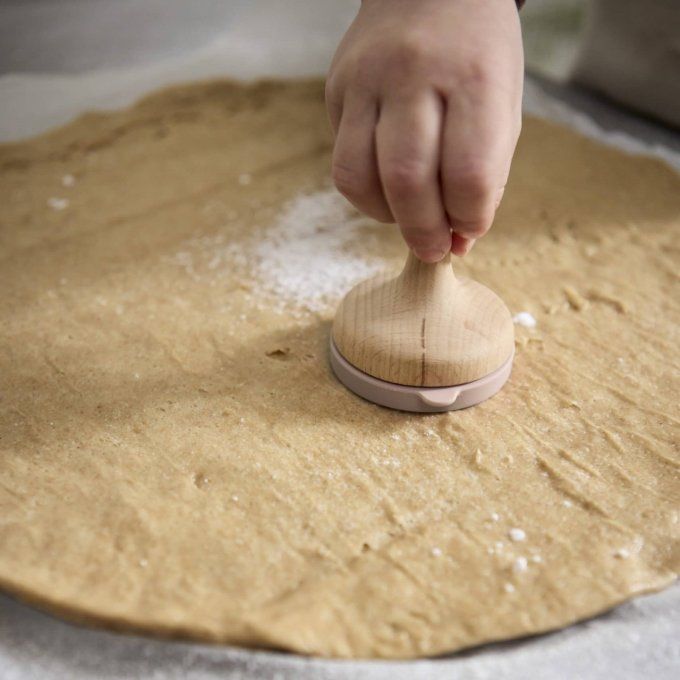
(418, 399)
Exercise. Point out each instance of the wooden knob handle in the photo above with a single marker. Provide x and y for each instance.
(420, 281)
(425, 327)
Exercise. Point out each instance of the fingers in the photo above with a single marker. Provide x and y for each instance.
(355, 168)
(460, 245)
(478, 143)
(429, 170)
(408, 140)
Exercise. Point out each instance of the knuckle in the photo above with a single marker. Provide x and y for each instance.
(473, 180)
(357, 187)
(379, 213)
(412, 53)
(367, 67)
(478, 83)
(363, 68)
(404, 177)
(477, 75)
(348, 180)
(357, 70)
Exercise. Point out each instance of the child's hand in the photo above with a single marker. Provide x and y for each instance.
(424, 97)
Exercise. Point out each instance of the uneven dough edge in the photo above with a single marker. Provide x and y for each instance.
(273, 629)
(288, 621)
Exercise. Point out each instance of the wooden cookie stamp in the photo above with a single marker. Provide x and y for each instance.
(424, 340)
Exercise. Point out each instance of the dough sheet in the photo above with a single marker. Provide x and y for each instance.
(176, 457)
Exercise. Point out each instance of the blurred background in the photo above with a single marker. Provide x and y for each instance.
(77, 35)
(61, 57)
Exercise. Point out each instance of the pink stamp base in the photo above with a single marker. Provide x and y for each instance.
(418, 399)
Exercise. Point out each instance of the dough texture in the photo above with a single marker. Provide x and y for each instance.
(176, 457)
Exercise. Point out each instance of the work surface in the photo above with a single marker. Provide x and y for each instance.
(637, 636)
(637, 640)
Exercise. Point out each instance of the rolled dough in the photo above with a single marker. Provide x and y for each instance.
(176, 457)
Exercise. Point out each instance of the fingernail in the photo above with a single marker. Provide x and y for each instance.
(460, 245)
(429, 255)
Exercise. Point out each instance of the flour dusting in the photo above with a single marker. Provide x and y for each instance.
(519, 565)
(308, 257)
(304, 261)
(57, 203)
(525, 319)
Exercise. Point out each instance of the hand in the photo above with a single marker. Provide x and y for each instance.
(424, 97)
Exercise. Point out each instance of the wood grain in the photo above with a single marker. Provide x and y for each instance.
(424, 327)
